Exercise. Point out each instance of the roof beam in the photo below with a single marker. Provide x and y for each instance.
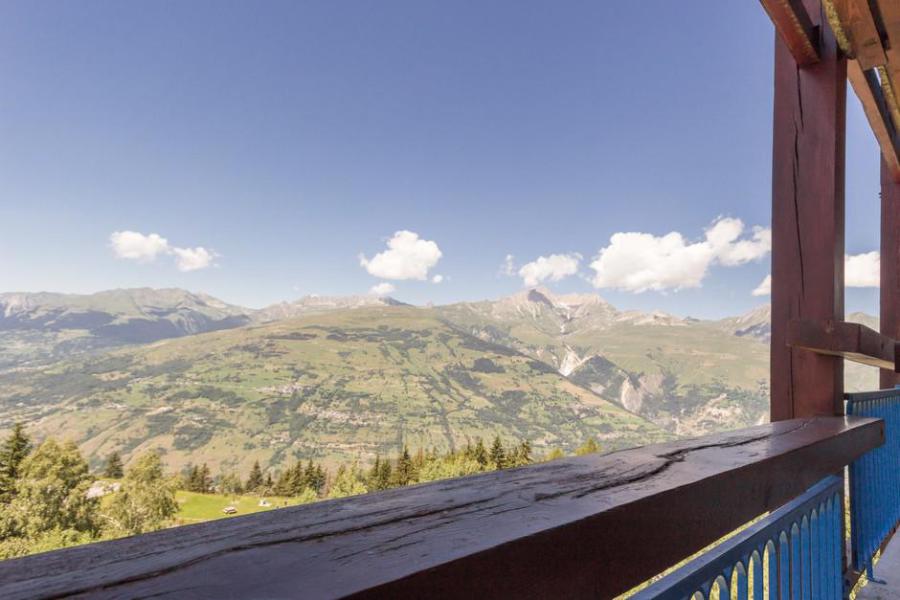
(872, 96)
(859, 25)
(795, 28)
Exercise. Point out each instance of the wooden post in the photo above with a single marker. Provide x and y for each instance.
(890, 264)
(807, 222)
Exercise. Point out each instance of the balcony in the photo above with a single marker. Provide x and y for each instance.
(587, 527)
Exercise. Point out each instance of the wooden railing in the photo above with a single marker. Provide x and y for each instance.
(794, 552)
(586, 527)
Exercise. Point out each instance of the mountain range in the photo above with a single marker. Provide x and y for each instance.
(338, 378)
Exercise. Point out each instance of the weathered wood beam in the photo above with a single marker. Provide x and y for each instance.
(795, 28)
(871, 96)
(852, 341)
(889, 293)
(889, 11)
(807, 222)
(859, 26)
(587, 527)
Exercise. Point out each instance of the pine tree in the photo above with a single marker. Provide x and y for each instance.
(114, 468)
(403, 474)
(298, 479)
(255, 480)
(204, 479)
(498, 455)
(13, 451)
(524, 454)
(590, 446)
(480, 454)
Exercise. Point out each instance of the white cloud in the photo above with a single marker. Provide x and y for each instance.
(862, 270)
(382, 289)
(192, 259)
(639, 262)
(764, 288)
(549, 268)
(731, 251)
(437, 279)
(407, 257)
(137, 246)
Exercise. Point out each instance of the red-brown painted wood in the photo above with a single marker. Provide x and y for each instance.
(890, 264)
(586, 527)
(851, 341)
(795, 27)
(807, 222)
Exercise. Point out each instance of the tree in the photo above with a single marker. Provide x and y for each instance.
(403, 474)
(146, 500)
(13, 451)
(51, 493)
(255, 480)
(380, 475)
(480, 453)
(590, 446)
(555, 454)
(230, 483)
(347, 482)
(114, 468)
(498, 455)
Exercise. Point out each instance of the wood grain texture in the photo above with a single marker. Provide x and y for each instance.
(851, 341)
(795, 28)
(587, 527)
(859, 25)
(890, 266)
(807, 222)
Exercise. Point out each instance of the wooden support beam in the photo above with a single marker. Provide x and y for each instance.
(586, 527)
(889, 11)
(807, 222)
(871, 96)
(851, 341)
(795, 28)
(859, 26)
(890, 265)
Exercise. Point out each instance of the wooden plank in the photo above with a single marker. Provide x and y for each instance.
(807, 223)
(795, 28)
(586, 527)
(859, 26)
(889, 292)
(869, 92)
(851, 341)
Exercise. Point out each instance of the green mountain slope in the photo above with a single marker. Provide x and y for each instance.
(690, 377)
(342, 385)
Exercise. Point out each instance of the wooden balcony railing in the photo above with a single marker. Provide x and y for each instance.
(585, 527)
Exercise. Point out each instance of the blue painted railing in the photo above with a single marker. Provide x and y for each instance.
(793, 552)
(875, 478)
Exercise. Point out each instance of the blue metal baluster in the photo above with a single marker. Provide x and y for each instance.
(805, 560)
(772, 568)
(784, 566)
(815, 559)
(756, 567)
(837, 545)
(740, 580)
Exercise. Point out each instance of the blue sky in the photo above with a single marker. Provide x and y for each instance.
(288, 139)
